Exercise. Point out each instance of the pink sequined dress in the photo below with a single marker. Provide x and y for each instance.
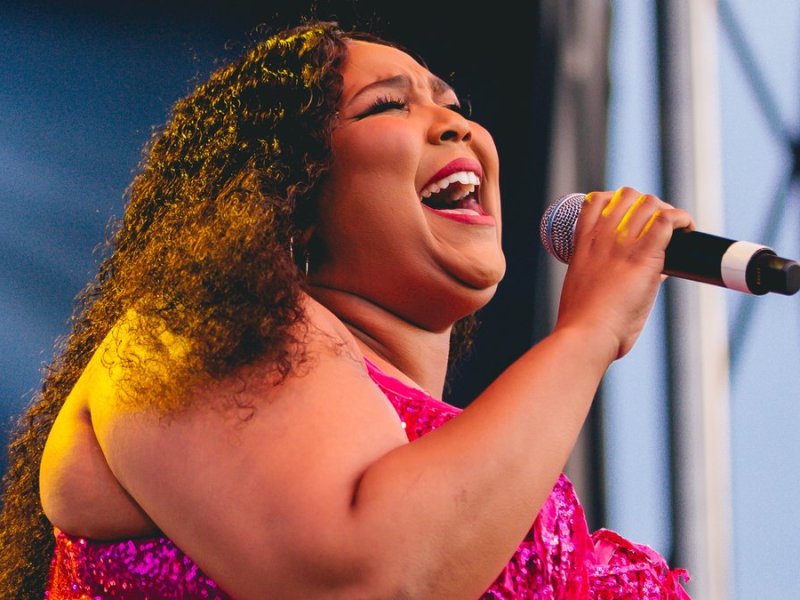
(558, 559)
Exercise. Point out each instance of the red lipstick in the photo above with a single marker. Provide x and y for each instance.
(454, 166)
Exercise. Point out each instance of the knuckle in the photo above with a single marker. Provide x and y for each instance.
(661, 219)
(597, 201)
(648, 203)
(599, 196)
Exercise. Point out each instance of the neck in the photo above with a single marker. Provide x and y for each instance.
(400, 348)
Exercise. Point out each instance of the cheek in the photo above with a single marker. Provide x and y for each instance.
(369, 197)
(387, 147)
(484, 145)
(373, 173)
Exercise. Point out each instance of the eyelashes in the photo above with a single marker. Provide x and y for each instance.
(464, 108)
(388, 103)
(383, 104)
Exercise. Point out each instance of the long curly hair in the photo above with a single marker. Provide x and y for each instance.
(203, 251)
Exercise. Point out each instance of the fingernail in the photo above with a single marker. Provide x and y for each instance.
(613, 202)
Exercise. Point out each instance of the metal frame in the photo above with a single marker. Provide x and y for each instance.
(790, 182)
(698, 379)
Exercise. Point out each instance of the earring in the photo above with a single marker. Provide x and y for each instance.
(306, 256)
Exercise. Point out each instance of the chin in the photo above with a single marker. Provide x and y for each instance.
(481, 276)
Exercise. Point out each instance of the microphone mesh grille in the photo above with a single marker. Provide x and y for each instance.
(557, 229)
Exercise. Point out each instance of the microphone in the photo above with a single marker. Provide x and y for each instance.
(743, 266)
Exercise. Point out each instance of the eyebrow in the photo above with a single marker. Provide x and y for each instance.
(438, 85)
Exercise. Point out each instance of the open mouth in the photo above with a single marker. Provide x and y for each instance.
(457, 193)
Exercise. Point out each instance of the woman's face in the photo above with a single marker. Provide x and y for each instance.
(410, 210)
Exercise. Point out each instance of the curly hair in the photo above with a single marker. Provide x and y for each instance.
(203, 251)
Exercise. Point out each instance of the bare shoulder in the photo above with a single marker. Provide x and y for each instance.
(78, 491)
(255, 479)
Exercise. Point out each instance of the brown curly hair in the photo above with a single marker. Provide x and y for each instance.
(203, 250)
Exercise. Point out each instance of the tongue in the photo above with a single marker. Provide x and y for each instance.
(468, 205)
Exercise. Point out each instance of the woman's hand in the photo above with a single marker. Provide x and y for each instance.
(614, 275)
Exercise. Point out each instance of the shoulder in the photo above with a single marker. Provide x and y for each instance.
(141, 355)
(253, 466)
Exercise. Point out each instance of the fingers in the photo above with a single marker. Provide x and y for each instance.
(625, 220)
(602, 212)
(659, 226)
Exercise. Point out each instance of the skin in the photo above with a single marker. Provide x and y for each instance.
(319, 494)
(379, 239)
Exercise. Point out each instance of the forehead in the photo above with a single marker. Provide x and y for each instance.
(368, 62)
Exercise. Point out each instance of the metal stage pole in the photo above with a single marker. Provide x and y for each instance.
(696, 326)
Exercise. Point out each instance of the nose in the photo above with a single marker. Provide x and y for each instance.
(449, 126)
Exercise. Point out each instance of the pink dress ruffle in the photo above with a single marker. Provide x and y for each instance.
(557, 560)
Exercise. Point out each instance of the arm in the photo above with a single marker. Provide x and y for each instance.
(320, 495)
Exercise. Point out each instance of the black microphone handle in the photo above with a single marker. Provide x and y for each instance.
(743, 266)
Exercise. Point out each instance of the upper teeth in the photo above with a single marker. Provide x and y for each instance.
(467, 178)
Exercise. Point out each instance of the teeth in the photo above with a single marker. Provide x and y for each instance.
(466, 178)
(465, 191)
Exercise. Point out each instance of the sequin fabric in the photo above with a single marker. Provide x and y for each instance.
(557, 560)
(140, 569)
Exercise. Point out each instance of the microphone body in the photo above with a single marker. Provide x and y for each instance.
(744, 266)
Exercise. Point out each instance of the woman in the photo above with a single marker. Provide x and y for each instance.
(305, 237)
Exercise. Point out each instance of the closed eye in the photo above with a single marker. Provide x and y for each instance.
(383, 104)
(464, 108)
(386, 103)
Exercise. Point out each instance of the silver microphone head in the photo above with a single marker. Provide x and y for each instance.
(557, 229)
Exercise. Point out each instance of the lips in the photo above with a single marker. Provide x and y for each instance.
(454, 193)
(459, 164)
